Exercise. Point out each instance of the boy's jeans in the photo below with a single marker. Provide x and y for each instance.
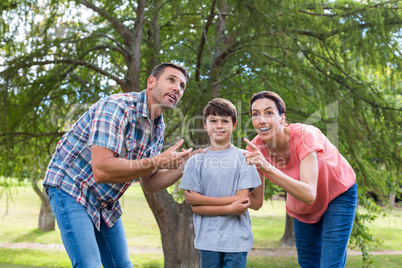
(323, 244)
(213, 259)
(85, 245)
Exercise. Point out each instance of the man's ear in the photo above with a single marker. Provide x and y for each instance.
(151, 82)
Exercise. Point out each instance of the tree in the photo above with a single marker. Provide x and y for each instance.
(335, 64)
(75, 58)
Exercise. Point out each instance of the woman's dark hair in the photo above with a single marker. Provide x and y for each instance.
(159, 69)
(280, 104)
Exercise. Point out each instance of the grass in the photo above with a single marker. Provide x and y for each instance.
(19, 221)
(388, 230)
(382, 261)
(268, 224)
(40, 258)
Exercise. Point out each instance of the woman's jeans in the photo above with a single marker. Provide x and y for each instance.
(213, 259)
(323, 244)
(85, 245)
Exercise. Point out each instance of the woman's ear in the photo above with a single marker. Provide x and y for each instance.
(283, 118)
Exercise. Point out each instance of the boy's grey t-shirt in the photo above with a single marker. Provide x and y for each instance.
(220, 174)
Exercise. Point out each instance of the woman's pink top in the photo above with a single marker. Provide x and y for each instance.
(335, 175)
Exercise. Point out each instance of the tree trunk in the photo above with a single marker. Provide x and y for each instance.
(133, 45)
(392, 199)
(46, 217)
(154, 37)
(175, 220)
(177, 232)
(392, 196)
(288, 239)
(220, 39)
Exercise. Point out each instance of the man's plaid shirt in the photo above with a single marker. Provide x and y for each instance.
(119, 123)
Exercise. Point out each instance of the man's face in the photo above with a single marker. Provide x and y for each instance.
(168, 89)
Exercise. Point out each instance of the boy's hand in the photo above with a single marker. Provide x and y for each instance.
(240, 206)
(192, 198)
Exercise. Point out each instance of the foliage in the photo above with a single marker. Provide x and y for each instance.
(336, 64)
(272, 189)
(360, 233)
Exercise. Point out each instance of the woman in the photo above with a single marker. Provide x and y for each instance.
(321, 185)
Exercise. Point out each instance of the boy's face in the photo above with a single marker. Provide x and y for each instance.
(219, 129)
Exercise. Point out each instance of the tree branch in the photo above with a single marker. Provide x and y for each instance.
(120, 27)
(348, 14)
(317, 14)
(85, 64)
(79, 79)
(323, 36)
(372, 103)
(203, 41)
(139, 20)
(121, 49)
(343, 7)
(100, 47)
(227, 52)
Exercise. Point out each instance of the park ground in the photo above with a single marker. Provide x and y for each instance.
(19, 235)
(278, 252)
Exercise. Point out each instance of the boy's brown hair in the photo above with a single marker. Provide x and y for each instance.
(220, 107)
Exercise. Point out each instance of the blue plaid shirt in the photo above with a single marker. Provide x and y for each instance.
(119, 123)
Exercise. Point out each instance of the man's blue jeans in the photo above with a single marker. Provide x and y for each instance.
(85, 245)
(213, 259)
(323, 244)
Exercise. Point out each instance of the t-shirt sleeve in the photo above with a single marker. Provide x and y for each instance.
(248, 178)
(310, 139)
(108, 124)
(191, 177)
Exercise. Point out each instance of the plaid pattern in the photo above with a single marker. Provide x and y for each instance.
(119, 123)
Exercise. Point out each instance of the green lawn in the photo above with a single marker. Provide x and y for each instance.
(19, 220)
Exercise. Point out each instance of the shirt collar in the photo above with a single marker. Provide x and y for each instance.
(141, 109)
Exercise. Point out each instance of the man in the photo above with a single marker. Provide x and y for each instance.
(117, 140)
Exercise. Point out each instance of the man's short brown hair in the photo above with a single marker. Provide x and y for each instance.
(220, 107)
(160, 68)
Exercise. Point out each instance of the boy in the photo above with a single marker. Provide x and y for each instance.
(218, 185)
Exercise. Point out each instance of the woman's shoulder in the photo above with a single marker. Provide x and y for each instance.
(307, 138)
(302, 130)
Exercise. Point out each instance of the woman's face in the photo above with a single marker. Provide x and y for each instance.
(266, 118)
